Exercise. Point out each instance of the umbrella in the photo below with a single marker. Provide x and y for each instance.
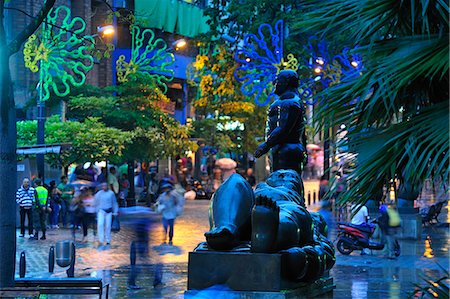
(81, 183)
(313, 147)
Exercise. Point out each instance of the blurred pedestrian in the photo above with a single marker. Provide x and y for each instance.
(55, 204)
(124, 186)
(26, 197)
(89, 211)
(250, 177)
(169, 204)
(113, 183)
(41, 208)
(394, 222)
(67, 193)
(77, 208)
(326, 212)
(323, 186)
(101, 178)
(106, 206)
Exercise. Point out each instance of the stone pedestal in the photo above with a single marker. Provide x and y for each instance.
(411, 224)
(246, 275)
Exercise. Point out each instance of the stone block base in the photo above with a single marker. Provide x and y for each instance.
(411, 226)
(19, 293)
(246, 275)
(316, 289)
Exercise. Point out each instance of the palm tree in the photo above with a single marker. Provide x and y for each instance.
(397, 108)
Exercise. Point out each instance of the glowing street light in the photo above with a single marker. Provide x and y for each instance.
(320, 61)
(178, 44)
(106, 30)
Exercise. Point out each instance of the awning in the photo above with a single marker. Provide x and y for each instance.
(42, 149)
(172, 16)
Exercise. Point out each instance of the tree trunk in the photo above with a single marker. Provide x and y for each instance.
(8, 168)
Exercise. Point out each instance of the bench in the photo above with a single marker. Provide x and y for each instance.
(75, 286)
(431, 216)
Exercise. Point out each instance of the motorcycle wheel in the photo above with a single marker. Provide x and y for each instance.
(396, 248)
(343, 248)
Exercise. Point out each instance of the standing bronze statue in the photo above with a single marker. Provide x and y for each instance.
(273, 218)
(286, 123)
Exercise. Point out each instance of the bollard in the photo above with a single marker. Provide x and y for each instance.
(71, 271)
(51, 259)
(133, 253)
(309, 198)
(64, 253)
(314, 197)
(133, 271)
(22, 265)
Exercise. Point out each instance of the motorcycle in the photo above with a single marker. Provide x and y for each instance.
(356, 237)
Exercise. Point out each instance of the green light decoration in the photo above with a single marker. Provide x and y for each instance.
(60, 56)
(150, 60)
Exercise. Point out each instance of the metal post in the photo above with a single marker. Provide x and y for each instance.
(51, 259)
(314, 196)
(309, 198)
(71, 271)
(326, 153)
(22, 265)
(133, 272)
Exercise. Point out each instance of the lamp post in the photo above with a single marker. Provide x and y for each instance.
(44, 68)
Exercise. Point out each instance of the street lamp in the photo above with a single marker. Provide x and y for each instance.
(178, 44)
(105, 30)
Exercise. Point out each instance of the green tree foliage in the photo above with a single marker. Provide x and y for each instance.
(134, 107)
(90, 140)
(397, 109)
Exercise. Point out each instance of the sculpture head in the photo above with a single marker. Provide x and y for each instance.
(287, 80)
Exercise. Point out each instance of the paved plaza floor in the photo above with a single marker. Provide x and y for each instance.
(355, 276)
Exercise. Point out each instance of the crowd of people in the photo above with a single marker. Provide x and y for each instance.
(91, 200)
(91, 204)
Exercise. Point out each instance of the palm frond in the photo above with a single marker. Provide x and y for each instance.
(420, 143)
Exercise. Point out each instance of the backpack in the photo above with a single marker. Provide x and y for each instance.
(394, 218)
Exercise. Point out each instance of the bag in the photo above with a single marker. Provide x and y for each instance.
(160, 208)
(179, 209)
(115, 225)
(108, 210)
(179, 205)
(394, 218)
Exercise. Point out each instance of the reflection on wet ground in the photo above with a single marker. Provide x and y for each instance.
(355, 276)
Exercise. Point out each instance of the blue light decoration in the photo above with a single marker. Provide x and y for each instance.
(150, 57)
(260, 59)
(327, 70)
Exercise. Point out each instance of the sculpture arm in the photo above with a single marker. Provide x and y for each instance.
(288, 120)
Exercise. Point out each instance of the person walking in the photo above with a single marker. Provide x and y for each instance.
(106, 205)
(170, 204)
(250, 178)
(41, 209)
(26, 198)
(67, 193)
(112, 181)
(89, 211)
(55, 201)
(389, 223)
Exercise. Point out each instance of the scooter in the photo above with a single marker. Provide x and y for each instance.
(355, 237)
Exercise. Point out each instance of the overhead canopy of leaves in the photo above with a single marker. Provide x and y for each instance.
(132, 107)
(90, 140)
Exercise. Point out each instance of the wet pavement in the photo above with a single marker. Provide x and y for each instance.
(355, 276)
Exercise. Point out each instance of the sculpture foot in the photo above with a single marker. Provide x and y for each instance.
(222, 238)
(265, 221)
(293, 263)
